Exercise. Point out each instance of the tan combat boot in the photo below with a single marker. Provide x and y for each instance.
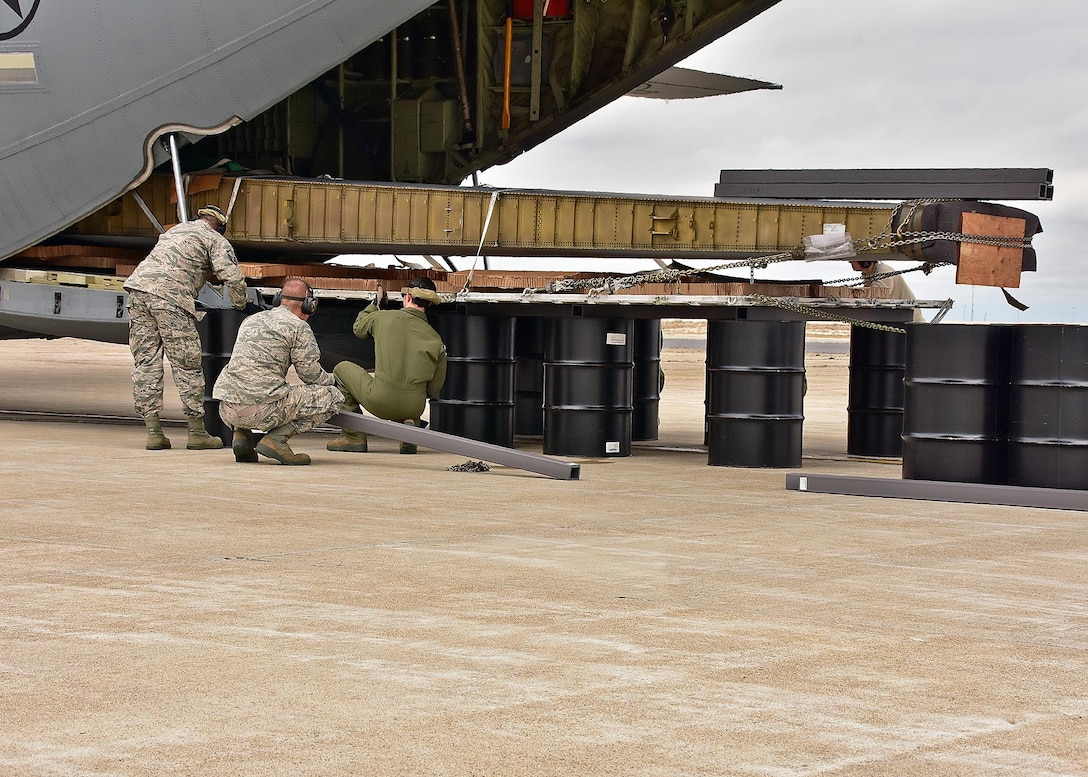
(199, 439)
(156, 440)
(242, 445)
(348, 442)
(274, 446)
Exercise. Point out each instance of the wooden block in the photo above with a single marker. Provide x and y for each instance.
(985, 265)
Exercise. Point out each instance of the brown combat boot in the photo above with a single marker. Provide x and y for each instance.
(409, 447)
(199, 439)
(242, 445)
(156, 440)
(348, 442)
(274, 446)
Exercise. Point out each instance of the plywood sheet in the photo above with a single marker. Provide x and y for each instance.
(986, 265)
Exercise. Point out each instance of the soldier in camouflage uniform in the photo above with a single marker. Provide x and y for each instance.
(409, 364)
(894, 286)
(252, 390)
(162, 313)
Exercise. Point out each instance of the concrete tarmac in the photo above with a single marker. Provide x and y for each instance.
(174, 612)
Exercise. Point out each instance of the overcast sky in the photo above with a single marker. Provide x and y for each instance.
(870, 84)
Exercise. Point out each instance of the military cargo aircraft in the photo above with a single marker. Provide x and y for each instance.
(121, 114)
(410, 91)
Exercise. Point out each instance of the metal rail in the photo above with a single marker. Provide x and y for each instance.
(440, 441)
(937, 491)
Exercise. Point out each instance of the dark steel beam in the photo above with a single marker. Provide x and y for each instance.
(888, 175)
(889, 184)
(474, 449)
(884, 191)
(938, 491)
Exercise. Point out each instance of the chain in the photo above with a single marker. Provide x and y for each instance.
(609, 285)
(469, 466)
(808, 310)
(864, 280)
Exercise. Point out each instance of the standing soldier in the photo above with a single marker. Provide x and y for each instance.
(161, 296)
(253, 391)
(878, 275)
(409, 364)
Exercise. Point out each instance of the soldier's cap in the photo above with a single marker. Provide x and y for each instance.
(214, 212)
(422, 288)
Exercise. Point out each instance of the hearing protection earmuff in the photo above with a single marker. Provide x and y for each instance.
(309, 302)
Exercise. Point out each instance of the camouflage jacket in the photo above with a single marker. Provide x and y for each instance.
(183, 260)
(408, 354)
(894, 287)
(268, 344)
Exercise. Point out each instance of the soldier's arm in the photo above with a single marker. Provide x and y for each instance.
(434, 385)
(225, 265)
(364, 322)
(306, 358)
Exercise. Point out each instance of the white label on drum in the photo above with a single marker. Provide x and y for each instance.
(615, 338)
(612, 446)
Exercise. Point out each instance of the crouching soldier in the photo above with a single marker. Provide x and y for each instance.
(409, 364)
(252, 390)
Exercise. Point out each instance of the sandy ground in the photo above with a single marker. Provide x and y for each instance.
(176, 613)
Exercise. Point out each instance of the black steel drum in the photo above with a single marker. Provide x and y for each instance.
(218, 330)
(588, 371)
(529, 375)
(874, 410)
(646, 401)
(1048, 407)
(755, 383)
(955, 397)
(477, 400)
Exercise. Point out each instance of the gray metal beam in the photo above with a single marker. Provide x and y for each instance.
(938, 491)
(748, 190)
(1002, 183)
(891, 175)
(440, 441)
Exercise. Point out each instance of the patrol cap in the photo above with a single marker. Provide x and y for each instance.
(214, 212)
(423, 288)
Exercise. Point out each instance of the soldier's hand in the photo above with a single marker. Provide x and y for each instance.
(380, 298)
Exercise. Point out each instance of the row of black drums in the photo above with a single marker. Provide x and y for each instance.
(589, 386)
(998, 404)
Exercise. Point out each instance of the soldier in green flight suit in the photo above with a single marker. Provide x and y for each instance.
(409, 364)
(162, 314)
(253, 391)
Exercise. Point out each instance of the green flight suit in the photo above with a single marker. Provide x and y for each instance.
(409, 364)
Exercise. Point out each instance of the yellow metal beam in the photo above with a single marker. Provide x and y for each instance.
(319, 216)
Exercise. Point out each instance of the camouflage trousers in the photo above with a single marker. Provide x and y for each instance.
(157, 327)
(304, 407)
